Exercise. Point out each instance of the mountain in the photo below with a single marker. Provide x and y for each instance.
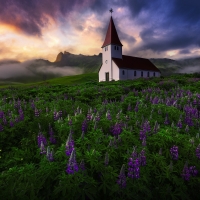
(89, 64)
(68, 64)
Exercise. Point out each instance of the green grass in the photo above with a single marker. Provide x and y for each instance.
(65, 80)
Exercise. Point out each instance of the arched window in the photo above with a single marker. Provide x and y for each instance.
(141, 74)
(134, 73)
(117, 48)
(123, 72)
(148, 74)
(154, 74)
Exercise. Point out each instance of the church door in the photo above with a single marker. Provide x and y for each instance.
(107, 76)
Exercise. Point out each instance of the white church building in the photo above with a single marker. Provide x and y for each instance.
(116, 66)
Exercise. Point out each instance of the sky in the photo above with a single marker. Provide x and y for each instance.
(33, 29)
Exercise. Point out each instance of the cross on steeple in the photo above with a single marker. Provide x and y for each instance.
(111, 10)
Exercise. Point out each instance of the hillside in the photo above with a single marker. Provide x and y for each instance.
(67, 64)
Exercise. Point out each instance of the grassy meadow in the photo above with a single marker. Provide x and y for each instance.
(75, 138)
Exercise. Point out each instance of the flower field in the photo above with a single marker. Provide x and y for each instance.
(110, 140)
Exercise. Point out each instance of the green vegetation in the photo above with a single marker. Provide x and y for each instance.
(74, 138)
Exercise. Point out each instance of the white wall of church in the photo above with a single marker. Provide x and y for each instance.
(130, 74)
(106, 69)
(116, 51)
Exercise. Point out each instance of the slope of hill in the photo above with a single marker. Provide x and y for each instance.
(67, 64)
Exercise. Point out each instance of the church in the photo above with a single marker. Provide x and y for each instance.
(116, 66)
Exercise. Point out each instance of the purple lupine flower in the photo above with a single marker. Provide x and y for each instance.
(41, 138)
(108, 116)
(32, 105)
(134, 153)
(69, 145)
(89, 116)
(198, 152)
(11, 123)
(144, 142)
(21, 117)
(174, 152)
(1, 114)
(116, 129)
(95, 110)
(134, 170)
(82, 135)
(122, 177)
(60, 113)
(179, 123)
(129, 107)
(52, 138)
(193, 171)
(42, 148)
(50, 154)
(97, 118)
(106, 159)
(136, 108)
(70, 122)
(186, 173)
(72, 164)
(166, 120)
(142, 158)
(142, 134)
(84, 126)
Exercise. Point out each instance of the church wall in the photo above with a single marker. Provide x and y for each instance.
(114, 52)
(129, 74)
(115, 71)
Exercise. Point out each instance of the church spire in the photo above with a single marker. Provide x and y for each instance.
(111, 35)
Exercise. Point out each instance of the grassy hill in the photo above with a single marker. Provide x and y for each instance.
(40, 70)
(66, 80)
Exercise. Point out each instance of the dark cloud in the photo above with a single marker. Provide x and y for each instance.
(31, 16)
(168, 39)
(167, 25)
(184, 51)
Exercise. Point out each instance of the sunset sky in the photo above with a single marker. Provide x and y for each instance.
(32, 29)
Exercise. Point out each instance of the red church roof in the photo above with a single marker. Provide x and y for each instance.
(130, 62)
(111, 35)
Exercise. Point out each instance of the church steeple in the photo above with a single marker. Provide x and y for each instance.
(111, 35)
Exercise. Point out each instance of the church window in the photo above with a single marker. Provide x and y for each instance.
(154, 74)
(123, 72)
(148, 74)
(117, 48)
(134, 73)
(141, 74)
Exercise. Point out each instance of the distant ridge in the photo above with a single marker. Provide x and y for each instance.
(90, 64)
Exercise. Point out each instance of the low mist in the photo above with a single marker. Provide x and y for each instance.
(34, 68)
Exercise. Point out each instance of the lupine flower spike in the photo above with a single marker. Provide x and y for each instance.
(122, 177)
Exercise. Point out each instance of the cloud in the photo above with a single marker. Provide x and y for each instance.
(184, 51)
(44, 27)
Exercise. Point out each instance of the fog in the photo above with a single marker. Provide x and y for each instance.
(189, 69)
(32, 68)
